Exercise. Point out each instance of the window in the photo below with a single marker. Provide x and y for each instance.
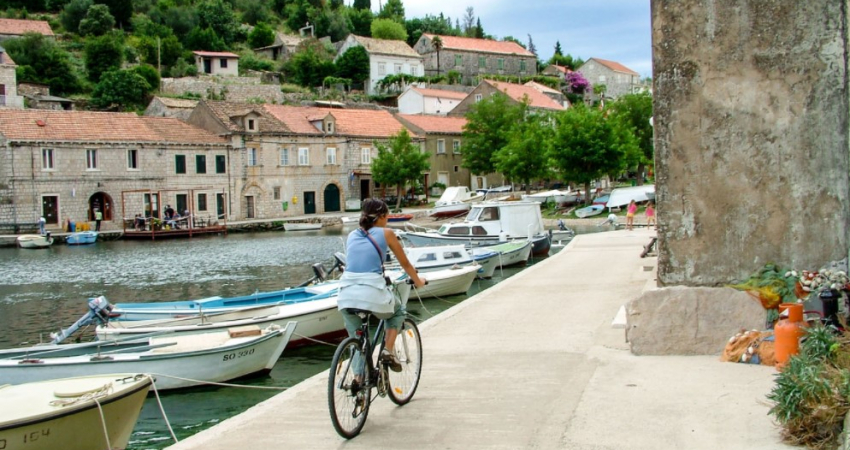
(303, 156)
(252, 156)
(202, 202)
(284, 156)
(47, 159)
(366, 155)
(412, 70)
(398, 68)
(463, 231)
(220, 164)
(489, 213)
(427, 257)
(277, 192)
(252, 125)
(222, 63)
(522, 66)
(478, 98)
(441, 146)
(382, 69)
(329, 127)
(179, 163)
(500, 64)
(458, 60)
(457, 169)
(132, 159)
(331, 156)
(200, 163)
(482, 62)
(452, 255)
(456, 147)
(91, 159)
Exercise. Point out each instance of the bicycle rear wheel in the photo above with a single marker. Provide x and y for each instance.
(348, 400)
(408, 349)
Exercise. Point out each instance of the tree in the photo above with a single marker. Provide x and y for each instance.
(97, 22)
(362, 4)
(634, 112)
(558, 51)
(392, 10)
(469, 22)
(310, 64)
(487, 129)
(479, 30)
(361, 21)
(531, 46)
(204, 39)
(261, 36)
(524, 157)
(437, 42)
(121, 10)
(514, 40)
(218, 15)
(298, 14)
(73, 13)
(103, 54)
(586, 145)
(255, 12)
(150, 75)
(166, 51)
(41, 60)
(331, 22)
(353, 64)
(388, 29)
(567, 61)
(120, 89)
(399, 163)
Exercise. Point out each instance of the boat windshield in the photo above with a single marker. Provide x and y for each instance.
(459, 230)
(489, 213)
(473, 215)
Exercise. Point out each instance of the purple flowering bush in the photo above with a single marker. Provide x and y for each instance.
(577, 83)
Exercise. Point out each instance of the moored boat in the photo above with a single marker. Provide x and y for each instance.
(510, 253)
(83, 413)
(446, 282)
(450, 209)
(34, 240)
(399, 217)
(431, 258)
(302, 226)
(589, 211)
(81, 238)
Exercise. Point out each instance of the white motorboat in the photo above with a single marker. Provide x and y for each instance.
(450, 209)
(446, 282)
(623, 196)
(510, 253)
(175, 360)
(34, 240)
(554, 196)
(589, 211)
(302, 226)
(454, 202)
(84, 413)
(431, 258)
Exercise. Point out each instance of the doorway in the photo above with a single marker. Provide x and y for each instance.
(103, 202)
(332, 201)
(207, 66)
(309, 202)
(364, 190)
(219, 206)
(249, 207)
(182, 203)
(50, 209)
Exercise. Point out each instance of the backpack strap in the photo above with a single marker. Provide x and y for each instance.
(377, 248)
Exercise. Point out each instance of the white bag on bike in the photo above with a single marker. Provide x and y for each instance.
(366, 291)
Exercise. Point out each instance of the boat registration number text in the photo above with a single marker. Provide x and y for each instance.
(27, 438)
(237, 355)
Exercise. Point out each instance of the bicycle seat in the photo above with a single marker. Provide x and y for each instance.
(358, 311)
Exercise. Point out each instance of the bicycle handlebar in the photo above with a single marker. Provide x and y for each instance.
(410, 281)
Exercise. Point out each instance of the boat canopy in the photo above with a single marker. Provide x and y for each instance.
(454, 194)
(622, 196)
(513, 218)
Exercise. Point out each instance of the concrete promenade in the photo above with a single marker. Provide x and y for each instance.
(534, 363)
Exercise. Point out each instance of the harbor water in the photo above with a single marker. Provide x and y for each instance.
(42, 291)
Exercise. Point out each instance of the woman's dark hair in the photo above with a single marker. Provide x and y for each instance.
(371, 210)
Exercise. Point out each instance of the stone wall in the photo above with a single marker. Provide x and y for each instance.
(751, 136)
(233, 89)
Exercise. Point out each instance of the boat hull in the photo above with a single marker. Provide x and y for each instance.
(36, 425)
(512, 253)
(446, 282)
(34, 241)
(450, 210)
(540, 244)
(589, 211)
(301, 226)
(81, 238)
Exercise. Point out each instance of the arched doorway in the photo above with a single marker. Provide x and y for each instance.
(332, 202)
(103, 202)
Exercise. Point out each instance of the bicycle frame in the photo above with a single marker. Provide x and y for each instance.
(372, 368)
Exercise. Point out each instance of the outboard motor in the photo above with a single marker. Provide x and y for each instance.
(319, 270)
(99, 311)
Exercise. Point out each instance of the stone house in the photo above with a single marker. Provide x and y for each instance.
(9, 97)
(217, 63)
(179, 108)
(15, 28)
(475, 58)
(62, 165)
(618, 79)
(284, 46)
(416, 100)
(37, 96)
(554, 70)
(516, 92)
(554, 94)
(298, 160)
(386, 57)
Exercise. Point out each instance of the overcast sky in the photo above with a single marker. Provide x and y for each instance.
(617, 30)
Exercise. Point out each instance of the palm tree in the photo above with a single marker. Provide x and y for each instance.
(437, 42)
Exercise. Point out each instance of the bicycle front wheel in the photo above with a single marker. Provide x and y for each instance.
(408, 349)
(348, 392)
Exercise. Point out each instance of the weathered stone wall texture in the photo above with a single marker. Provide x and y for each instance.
(751, 136)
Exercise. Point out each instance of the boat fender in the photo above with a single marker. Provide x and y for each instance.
(503, 237)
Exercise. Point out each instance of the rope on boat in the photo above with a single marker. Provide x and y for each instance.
(213, 383)
(161, 409)
(103, 423)
(314, 340)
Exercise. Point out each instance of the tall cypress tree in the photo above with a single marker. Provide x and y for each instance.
(362, 4)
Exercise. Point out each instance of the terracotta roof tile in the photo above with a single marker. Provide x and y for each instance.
(481, 45)
(436, 124)
(386, 47)
(225, 112)
(178, 102)
(542, 87)
(517, 92)
(562, 69)
(441, 93)
(216, 54)
(615, 66)
(6, 59)
(87, 126)
(19, 27)
(349, 122)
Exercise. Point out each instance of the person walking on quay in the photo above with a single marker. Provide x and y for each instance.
(41, 224)
(630, 215)
(650, 215)
(98, 216)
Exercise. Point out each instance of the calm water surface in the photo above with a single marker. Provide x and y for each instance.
(45, 290)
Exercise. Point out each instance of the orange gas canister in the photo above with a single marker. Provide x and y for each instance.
(788, 332)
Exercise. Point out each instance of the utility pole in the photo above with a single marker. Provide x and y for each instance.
(158, 56)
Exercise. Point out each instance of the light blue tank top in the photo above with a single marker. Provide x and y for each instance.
(361, 256)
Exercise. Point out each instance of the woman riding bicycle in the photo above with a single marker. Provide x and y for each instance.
(363, 286)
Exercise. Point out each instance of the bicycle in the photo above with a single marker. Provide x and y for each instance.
(352, 377)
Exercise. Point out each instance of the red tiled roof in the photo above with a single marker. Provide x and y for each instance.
(481, 45)
(542, 87)
(386, 46)
(518, 92)
(19, 27)
(225, 112)
(6, 59)
(88, 126)
(440, 93)
(349, 122)
(436, 124)
(216, 54)
(562, 69)
(615, 66)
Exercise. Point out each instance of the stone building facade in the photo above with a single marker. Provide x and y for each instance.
(475, 58)
(618, 79)
(9, 97)
(386, 57)
(537, 100)
(61, 165)
(233, 89)
(217, 63)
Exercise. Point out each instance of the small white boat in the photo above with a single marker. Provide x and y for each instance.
(554, 196)
(94, 412)
(431, 258)
(446, 282)
(302, 226)
(81, 238)
(589, 211)
(510, 253)
(450, 209)
(623, 196)
(455, 201)
(175, 361)
(34, 241)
